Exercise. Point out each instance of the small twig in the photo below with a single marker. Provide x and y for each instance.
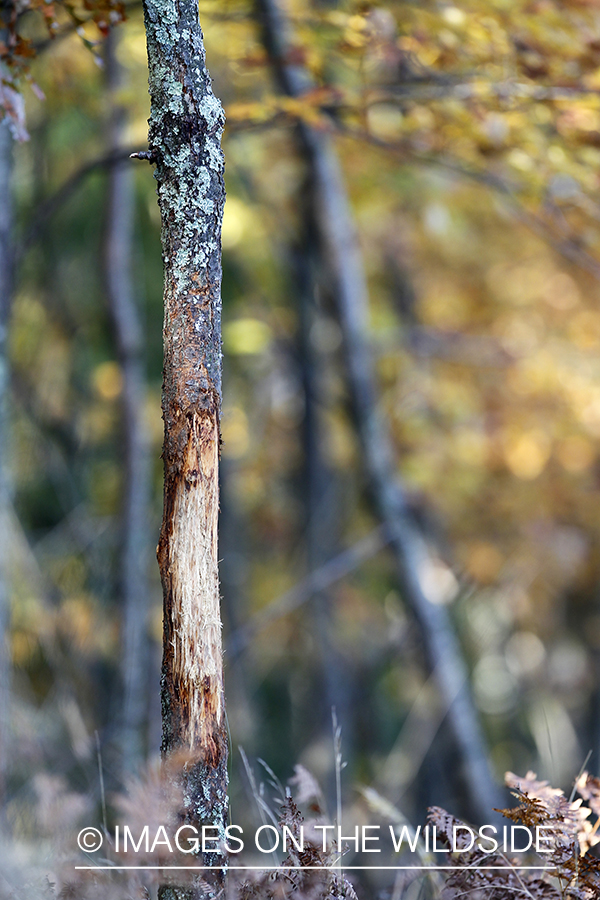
(339, 765)
(102, 794)
(150, 155)
(319, 580)
(262, 806)
(581, 771)
(52, 204)
(275, 782)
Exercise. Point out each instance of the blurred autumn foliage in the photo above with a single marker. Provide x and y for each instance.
(469, 137)
(90, 19)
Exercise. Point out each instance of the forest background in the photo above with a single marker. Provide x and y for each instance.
(468, 141)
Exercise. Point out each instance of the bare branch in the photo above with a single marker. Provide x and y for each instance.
(341, 259)
(124, 314)
(52, 205)
(319, 580)
(6, 292)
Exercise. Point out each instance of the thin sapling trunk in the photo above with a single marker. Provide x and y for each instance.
(186, 124)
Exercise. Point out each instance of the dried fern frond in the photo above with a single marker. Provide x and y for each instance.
(588, 787)
(573, 873)
(567, 821)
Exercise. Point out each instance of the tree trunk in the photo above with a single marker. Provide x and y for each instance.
(125, 318)
(186, 124)
(6, 288)
(320, 494)
(341, 260)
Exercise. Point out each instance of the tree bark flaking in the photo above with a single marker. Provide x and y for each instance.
(186, 124)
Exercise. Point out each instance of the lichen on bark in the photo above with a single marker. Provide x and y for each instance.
(185, 128)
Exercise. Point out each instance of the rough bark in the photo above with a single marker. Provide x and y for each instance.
(6, 289)
(341, 259)
(124, 314)
(186, 124)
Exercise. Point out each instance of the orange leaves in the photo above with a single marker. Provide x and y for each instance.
(308, 108)
(17, 51)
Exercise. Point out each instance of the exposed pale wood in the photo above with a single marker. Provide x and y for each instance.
(186, 124)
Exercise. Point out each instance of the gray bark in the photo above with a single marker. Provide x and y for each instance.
(186, 124)
(6, 290)
(125, 317)
(342, 261)
(321, 509)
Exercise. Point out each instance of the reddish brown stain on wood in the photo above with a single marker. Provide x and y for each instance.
(186, 124)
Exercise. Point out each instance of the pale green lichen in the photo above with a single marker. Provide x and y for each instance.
(186, 125)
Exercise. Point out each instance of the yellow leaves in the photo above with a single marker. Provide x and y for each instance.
(246, 337)
(105, 488)
(526, 452)
(23, 645)
(251, 111)
(562, 292)
(520, 335)
(520, 160)
(30, 321)
(308, 108)
(452, 15)
(444, 306)
(108, 380)
(235, 432)
(469, 446)
(354, 34)
(590, 157)
(518, 283)
(588, 413)
(237, 220)
(526, 284)
(584, 329)
(384, 121)
(77, 620)
(132, 44)
(419, 117)
(576, 453)
(483, 561)
(81, 622)
(578, 118)
(534, 375)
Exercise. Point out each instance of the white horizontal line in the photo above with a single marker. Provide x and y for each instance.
(328, 868)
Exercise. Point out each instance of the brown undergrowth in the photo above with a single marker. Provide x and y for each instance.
(570, 828)
(568, 870)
